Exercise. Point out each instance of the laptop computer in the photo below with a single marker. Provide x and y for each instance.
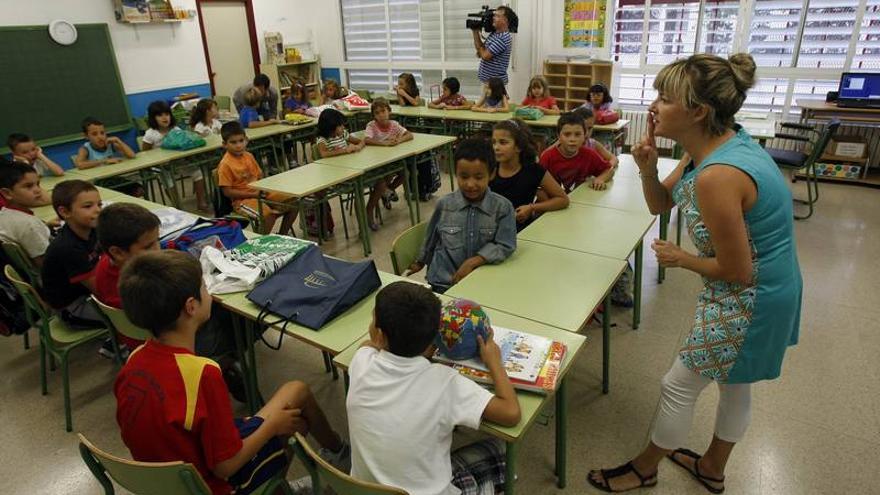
(859, 90)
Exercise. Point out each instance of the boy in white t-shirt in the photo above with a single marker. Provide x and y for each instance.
(20, 188)
(402, 409)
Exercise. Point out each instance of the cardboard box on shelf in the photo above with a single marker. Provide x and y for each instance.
(849, 146)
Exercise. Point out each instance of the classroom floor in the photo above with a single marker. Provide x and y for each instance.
(815, 430)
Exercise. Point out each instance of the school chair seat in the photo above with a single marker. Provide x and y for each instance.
(116, 320)
(56, 338)
(812, 145)
(406, 247)
(322, 471)
(155, 478)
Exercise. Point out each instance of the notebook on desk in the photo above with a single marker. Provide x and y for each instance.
(859, 90)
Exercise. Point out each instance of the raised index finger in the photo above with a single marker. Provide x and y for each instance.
(651, 139)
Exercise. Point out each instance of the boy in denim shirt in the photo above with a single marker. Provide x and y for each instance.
(471, 226)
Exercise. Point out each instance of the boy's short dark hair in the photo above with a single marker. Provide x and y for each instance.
(15, 139)
(262, 80)
(453, 84)
(121, 224)
(155, 285)
(379, 103)
(65, 192)
(570, 118)
(86, 122)
(584, 112)
(409, 316)
(231, 128)
(475, 149)
(11, 173)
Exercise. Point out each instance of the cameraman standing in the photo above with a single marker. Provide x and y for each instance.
(494, 52)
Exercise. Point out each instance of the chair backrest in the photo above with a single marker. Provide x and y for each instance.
(115, 318)
(406, 247)
(223, 102)
(338, 481)
(22, 262)
(822, 143)
(36, 309)
(142, 478)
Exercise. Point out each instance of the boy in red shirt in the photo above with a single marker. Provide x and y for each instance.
(174, 406)
(570, 162)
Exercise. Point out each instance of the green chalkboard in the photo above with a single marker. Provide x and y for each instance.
(49, 88)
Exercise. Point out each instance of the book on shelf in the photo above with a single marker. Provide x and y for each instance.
(532, 362)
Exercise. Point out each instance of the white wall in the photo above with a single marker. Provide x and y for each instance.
(150, 57)
(303, 20)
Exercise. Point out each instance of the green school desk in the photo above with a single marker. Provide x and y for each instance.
(48, 182)
(530, 404)
(603, 231)
(550, 285)
(333, 338)
(305, 181)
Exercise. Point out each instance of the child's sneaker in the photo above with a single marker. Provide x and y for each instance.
(106, 350)
(386, 200)
(340, 460)
(301, 486)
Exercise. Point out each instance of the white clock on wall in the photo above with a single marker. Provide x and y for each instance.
(62, 32)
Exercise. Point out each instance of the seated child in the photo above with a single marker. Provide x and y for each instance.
(237, 170)
(600, 98)
(174, 406)
(494, 99)
(382, 131)
(298, 102)
(332, 91)
(161, 122)
(402, 409)
(539, 97)
(249, 116)
(519, 177)
(204, 119)
(100, 149)
(407, 91)
(589, 120)
(570, 162)
(451, 99)
(25, 150)
(333, 140)
(68, 271)
(471, 226)
(20, 188)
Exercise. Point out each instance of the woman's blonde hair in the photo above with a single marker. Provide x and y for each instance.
(712, 81)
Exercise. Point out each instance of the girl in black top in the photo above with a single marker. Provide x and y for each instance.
(519, 177)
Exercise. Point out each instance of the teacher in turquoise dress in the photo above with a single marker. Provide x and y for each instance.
(738, 211)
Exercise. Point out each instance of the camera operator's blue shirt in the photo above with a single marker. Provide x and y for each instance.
(499, 45)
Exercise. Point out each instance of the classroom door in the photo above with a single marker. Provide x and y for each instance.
(230, 43)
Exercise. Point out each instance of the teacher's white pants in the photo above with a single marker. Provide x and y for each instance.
(680, 389)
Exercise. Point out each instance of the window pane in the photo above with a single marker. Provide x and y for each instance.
(672, 31)
(471, 87)
(719, 27)
(424, 79)
(811, 89)
(626, 32)
(404, 26)
(459, 40)
(374, 80)
(636, 90)
(365, 29)
(827, 32)
(774, 32)
(768, 94)
(867, 55)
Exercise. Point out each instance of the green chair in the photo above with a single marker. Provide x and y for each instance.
(56, 338)
(406, 247)
(223, 102)
(116, 320)
(22, 262)
(155, 478)
(339, 482)
(223, 206)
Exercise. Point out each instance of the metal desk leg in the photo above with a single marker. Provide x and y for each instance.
(561, 433)
(510, 468)
(410, 191)
(664, 233)
(168, 183)
(414, 180)
(606, 342)
(450, 163)
(361, 208)
(239, 330)
(250, 332)
(637, 285)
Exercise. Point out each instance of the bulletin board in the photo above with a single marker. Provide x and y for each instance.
(584, 24)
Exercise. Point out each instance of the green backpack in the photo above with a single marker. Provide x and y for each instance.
(528, 113)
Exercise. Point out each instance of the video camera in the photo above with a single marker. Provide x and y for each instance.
(484, 20)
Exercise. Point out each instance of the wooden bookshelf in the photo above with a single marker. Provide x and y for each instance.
(281, 76)
(570, 81)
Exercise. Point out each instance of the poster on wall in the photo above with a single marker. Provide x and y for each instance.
(584, 24)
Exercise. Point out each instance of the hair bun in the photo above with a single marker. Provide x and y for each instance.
(743, 66)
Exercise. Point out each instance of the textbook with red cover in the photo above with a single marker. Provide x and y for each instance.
(532, 362)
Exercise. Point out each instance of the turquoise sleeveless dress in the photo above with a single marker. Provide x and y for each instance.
(740, 332)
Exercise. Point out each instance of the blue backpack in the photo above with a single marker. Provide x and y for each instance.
(219, 233)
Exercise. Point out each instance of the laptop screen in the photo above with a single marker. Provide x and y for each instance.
(864, 86)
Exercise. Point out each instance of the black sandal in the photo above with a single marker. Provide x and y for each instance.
(695, 472)
(607, 474)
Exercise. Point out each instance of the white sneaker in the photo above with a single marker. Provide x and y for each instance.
(340, 460)
(302, 486)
